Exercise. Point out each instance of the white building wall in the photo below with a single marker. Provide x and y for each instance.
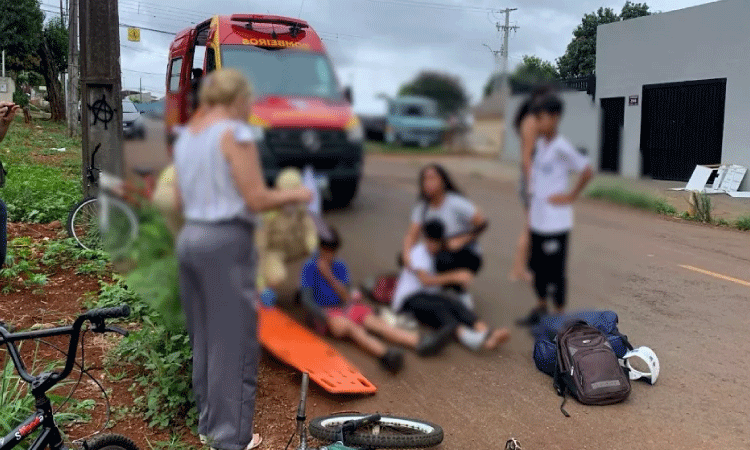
(580, 124)
(703, 42)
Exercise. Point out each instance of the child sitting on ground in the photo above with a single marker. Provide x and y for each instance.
(418, 291)
(325, 290)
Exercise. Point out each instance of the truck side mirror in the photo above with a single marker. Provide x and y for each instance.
(348, 94)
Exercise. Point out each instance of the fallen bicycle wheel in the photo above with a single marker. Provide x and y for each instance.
(390, 432)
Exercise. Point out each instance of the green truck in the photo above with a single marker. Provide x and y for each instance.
(414, 120)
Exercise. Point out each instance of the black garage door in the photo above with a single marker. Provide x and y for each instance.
(682, 125)
(613, 118)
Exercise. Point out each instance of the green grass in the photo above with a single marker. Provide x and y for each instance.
(39, 194)
(383, 148)
(42, 184)
(743, 223)
(622, 196)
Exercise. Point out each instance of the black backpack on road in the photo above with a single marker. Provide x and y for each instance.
(587, 367)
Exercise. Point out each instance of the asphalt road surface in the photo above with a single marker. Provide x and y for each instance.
(679, 288)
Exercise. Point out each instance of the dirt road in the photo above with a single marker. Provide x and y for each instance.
(677, 287)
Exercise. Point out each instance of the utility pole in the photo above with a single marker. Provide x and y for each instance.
(140, 88)
(101, 115)
(72, 98)
(506, 29)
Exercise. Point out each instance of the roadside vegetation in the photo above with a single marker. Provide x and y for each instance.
(383, 148)
(700, 209)
(43, 181)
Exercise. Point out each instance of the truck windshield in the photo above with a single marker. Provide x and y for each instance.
(283, 72)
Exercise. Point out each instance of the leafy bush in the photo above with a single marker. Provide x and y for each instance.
(161, 348)
(743, 223)
(622, 196)
(39, 194)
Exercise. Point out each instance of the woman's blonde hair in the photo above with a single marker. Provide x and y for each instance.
(223, 87)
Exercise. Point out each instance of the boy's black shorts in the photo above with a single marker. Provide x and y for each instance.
(549, 254)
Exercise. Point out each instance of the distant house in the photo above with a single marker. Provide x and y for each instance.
(487, 133)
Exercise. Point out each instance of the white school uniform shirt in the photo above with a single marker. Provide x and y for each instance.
(550, 172)
(408, 283)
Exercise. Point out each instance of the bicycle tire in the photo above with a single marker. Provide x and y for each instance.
(87, 207)
(111, 442)
(421, 434)
(120, 213)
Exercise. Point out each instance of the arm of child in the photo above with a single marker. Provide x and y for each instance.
(460, 277)
(341, 290)
(577, 163)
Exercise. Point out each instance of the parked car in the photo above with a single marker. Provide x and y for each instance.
(132, 128)
(414, 120)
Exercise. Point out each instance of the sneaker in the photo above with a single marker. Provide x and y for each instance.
(431, 344)
(392, 361)
(533, 318)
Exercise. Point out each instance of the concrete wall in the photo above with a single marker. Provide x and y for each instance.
(581, 125)
(485, 136)
(6, 95)
(698, 43)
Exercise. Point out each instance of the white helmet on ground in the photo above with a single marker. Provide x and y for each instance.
(649, 357)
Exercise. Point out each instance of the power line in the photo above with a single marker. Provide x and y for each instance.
(434, 5)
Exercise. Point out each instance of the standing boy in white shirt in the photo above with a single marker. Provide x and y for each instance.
(551, 210)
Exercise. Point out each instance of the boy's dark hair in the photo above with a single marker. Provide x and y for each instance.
(332, 242)
(434, 229)
(527, 106)
(550, 104)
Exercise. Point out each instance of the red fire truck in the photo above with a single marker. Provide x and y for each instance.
(300, 113)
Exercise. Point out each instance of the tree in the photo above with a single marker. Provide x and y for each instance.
(445, 89)
(634, 10)
(53, 57)
(533, 71)
(21, 33)
(580, 56)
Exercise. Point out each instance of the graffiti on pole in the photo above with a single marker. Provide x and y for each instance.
(102, 112)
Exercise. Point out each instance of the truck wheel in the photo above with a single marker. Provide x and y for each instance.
(342, 193)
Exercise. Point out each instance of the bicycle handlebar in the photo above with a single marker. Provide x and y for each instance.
(45, 381)
(107, 313)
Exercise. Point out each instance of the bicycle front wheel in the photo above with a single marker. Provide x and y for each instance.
(111, 442)
(83, 224)
(390, 432)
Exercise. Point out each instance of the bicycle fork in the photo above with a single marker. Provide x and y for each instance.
(301, 417)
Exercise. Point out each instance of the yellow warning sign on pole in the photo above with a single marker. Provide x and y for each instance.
(134, 34)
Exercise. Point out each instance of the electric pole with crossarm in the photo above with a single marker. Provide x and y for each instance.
(506, 29)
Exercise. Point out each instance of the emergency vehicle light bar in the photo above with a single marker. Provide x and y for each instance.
(295, 25)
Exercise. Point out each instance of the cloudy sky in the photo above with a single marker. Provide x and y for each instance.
(375, 45)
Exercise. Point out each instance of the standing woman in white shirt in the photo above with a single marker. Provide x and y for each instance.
(222, 190)
(441, 200)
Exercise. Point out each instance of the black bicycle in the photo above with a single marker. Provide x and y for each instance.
(50, 436)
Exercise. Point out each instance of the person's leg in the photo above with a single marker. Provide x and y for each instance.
(342, 328)
(559, 276)
(395, 335)
(540, 266)
(228, 269)
(520, 270)
(192, 299)
(3, 232)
